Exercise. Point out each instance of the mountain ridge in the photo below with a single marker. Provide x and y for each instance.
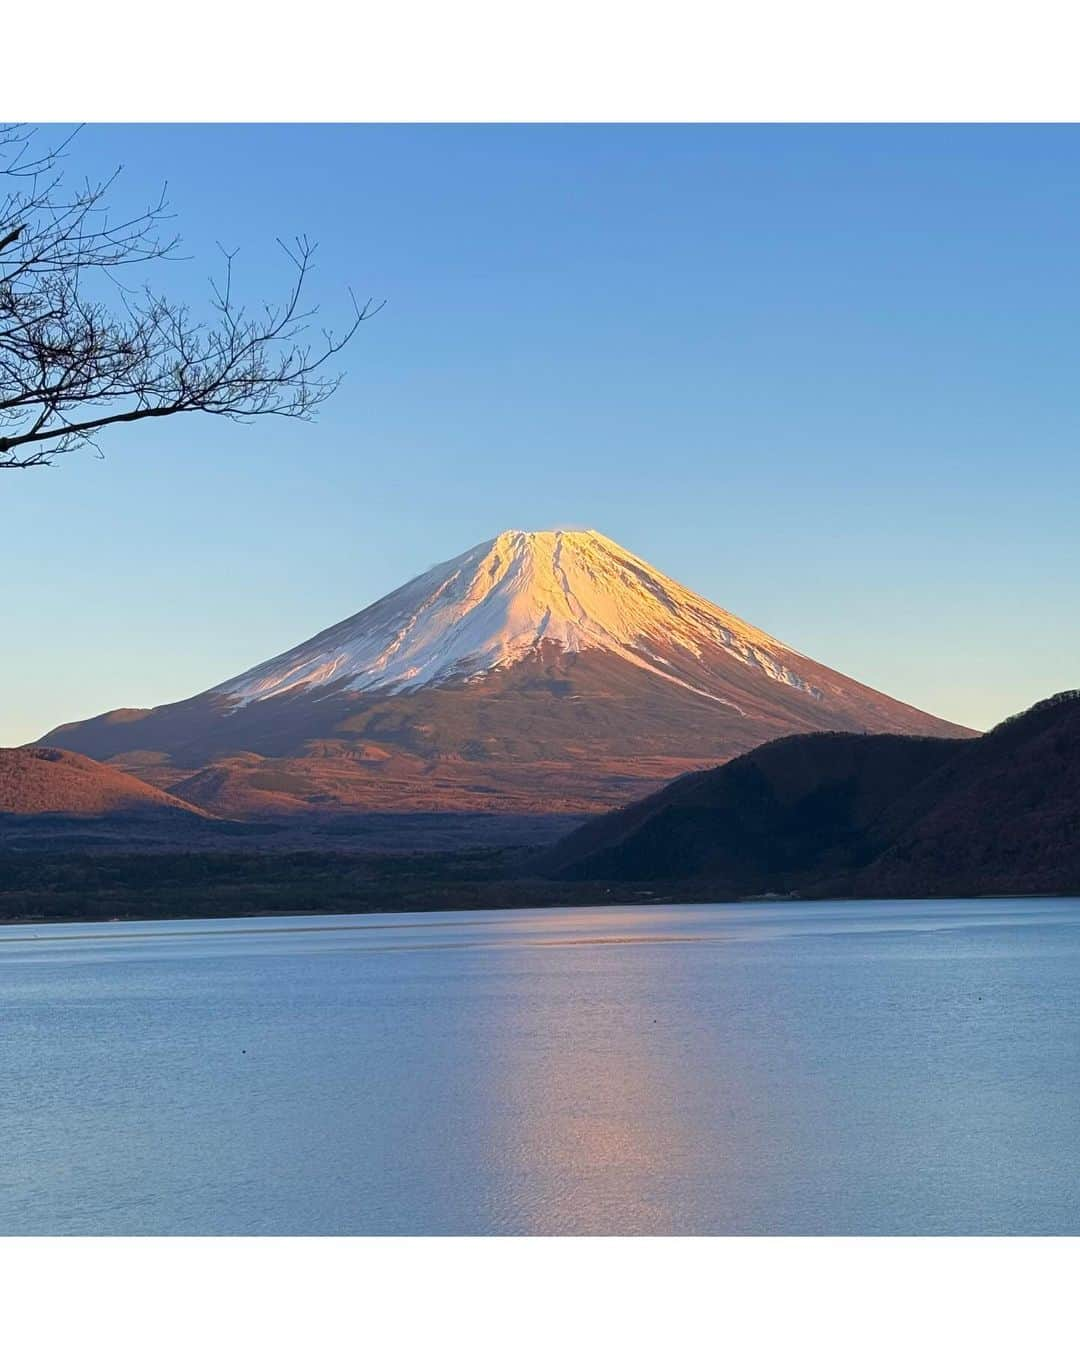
(534, 672)
(860, 815)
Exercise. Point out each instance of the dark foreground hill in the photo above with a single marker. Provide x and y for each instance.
(775, 818)
(872, 815)
(1003, 816)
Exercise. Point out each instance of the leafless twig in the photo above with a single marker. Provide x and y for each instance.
(75, 360)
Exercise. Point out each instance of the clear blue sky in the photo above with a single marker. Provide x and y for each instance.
(826, 376)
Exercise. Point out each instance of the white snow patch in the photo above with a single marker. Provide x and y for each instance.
(494, 604)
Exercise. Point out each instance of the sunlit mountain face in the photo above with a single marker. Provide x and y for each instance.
(536, 672)
(500, 602)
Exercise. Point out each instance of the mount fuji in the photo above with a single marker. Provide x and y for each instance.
(536, 672)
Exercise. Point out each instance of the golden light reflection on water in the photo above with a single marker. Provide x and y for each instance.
(595, 1132)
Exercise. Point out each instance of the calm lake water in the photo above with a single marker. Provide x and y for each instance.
(777, 1068)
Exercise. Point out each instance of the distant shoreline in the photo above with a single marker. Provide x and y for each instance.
(54, 890)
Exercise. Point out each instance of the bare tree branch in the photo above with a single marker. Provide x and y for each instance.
(77, 357)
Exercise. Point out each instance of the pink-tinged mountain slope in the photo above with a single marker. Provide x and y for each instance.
(537, 671)
(36, 781)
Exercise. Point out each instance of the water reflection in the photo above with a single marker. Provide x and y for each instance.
(787, 1068)
(599, 1078)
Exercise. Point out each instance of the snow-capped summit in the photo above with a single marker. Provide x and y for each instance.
(496, 603)
(537, 672)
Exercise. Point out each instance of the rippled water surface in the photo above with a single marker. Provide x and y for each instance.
(776, 1068)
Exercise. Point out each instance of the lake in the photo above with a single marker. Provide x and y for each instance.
(769, 1068)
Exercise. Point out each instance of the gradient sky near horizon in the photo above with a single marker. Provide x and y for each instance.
(826, 376)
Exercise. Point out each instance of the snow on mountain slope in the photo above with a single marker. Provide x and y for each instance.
(496, 604)
(538, 672)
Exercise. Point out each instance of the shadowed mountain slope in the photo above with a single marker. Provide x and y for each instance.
(865, 815)
(1002, 817)
(861, 814)
(773, 819)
